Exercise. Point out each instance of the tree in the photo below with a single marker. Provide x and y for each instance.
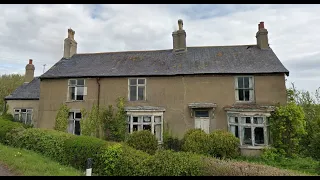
(287, 125)
(91, 122)
(61, 123)
(8, 83)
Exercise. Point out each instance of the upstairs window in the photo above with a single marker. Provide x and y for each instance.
(244, 89)
(23, 115)
(76, 89)
(137, 89)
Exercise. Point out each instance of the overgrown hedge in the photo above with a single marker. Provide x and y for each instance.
(118, 159)
(6, 126)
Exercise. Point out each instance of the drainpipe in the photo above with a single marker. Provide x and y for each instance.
(98, 82)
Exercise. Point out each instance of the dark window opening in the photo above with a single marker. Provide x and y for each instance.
(201, 113)
(258, 135)
(247, 136)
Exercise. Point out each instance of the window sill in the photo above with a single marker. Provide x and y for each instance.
(245, 102)
(253, 147)
(74, 101)
(139, 101)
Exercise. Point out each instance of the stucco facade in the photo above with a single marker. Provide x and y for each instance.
(172, 93)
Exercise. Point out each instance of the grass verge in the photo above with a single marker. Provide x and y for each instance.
(28, 163)
(298, 164)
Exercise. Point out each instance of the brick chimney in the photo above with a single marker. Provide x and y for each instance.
(262, 36)
(179, 38)
(29, 75)
(70, 45)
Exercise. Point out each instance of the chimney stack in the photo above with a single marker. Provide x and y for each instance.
(29, 75)
(179, 38)
(262, 36)
(70, 45)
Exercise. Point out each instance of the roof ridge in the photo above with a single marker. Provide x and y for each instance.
(162, 49)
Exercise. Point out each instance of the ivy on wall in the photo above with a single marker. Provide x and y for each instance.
(61, 123)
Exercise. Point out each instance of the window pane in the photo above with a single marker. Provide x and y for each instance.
(133, 81)
(135, 128)
(141, 92)
(240, 95)
(257, 120)
(16, 117)
(29, 120)
(133, 93)
(258, 135)
(240, 82)
(147, 127)
(23, 110)
(29, 110)
(245, 120)
(135, 119)
(72, 82)
(246, 95)
(157, 119)
(146, 119)
(157, 132)
(141, 81)
(234, 130)
(201, 113)
(72, 93)
(71, 126)
(23, 117)
(247, 139)
(17, 110)
(128, 119)
(77, 128)
(78, 115)
(71, 115)
(80, 82)
(80, 91)
(246, 82)
(233, 119)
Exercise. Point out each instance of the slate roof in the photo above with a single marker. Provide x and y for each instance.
(242, 59)
(27, 91)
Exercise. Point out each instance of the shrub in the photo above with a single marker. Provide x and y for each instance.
(215, 167)
(172, 143)
(272, 154)
(5, 127)
(196, 141)
(170, 163)
(79, 148)
(314, 148)
(122, 160)
(223, 144)
(287, 125)
(62, 116)
(47, 142)
(6, 116)
(144, 141)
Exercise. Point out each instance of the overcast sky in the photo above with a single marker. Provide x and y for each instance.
(37, 32)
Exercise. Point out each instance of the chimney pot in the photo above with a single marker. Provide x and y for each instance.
(30, 61)
(261, 25)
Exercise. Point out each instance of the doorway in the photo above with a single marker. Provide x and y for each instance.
(202, 120)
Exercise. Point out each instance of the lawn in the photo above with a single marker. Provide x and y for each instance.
(298, 164)
(28, 163)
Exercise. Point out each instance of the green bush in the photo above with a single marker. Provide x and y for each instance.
(223, 144)
(79, 148)
(122, 160)
(314, 148)
(5, 127)
(144, 141)
(196, 141)
(170, 163)
(47, 142)
(6, 116)
(172, 143)
(272, 154)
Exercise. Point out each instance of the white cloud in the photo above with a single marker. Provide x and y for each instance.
(38, 31)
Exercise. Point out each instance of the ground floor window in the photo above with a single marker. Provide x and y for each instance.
(152, 122)
(74, 123)
(23, 115)
(251, 130)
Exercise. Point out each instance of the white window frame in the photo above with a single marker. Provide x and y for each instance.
(137, 85)
(251, 90)
(74, 119)
(76, 89)
(131, 114)
(18, 111)
(264, 125)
